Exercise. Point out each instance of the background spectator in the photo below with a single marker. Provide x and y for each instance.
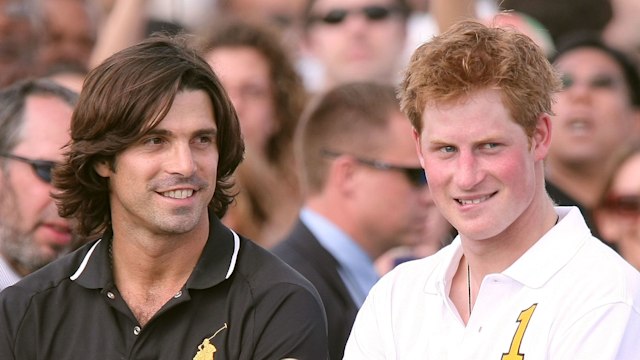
(18, 40)
(34, 126)
(269, 96)
(69, 31)
(597, 114)
(356, 40)
(365, 193)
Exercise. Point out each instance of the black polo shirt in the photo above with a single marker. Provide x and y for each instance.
(240, 301)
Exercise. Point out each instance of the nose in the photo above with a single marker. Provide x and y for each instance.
(579, 90)
(468, 174)
(181, 160)
(356, 22)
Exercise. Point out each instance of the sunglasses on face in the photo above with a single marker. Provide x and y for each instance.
(337, 16)
(42, 168)
(626, 205)
(416, 176)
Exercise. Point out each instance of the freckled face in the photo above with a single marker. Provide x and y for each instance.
(479, 164)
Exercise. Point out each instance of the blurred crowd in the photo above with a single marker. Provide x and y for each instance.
(275, 56)
(276, 59)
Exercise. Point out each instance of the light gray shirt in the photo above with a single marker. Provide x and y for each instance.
(356, 268)
(8, 276)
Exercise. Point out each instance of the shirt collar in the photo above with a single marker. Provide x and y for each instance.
(8, 276)
(448, 259)
(554, 249)
(355, 266)
(217, 261)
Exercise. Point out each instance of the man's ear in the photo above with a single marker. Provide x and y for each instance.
(103, 168)
(418, 141)
(541, 139)
(342, 176)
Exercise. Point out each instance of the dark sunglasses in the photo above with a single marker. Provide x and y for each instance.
(416, 176)
(626, 205)
(42, 168)
(372, 13)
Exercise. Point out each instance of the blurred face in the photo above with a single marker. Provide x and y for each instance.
(377, 191)
(16, 34)
(357, 39)
(245, 75)
(482, 172)
(594, 115)
(32, 233)
(619, 220)
(163, 184)
(64, 39)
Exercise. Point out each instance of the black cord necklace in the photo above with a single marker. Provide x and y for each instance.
(469, 274)
(469, 286)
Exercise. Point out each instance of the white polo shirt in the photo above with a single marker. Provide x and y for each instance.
(568, 297)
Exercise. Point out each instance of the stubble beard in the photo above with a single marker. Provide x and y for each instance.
(19, 249)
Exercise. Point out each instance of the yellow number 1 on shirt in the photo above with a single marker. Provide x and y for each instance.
(523, 319)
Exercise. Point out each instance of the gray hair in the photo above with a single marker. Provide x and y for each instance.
(12, 106)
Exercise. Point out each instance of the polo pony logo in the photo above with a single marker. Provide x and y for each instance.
(206, 350)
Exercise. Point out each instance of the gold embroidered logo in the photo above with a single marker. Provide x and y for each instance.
(206, 350)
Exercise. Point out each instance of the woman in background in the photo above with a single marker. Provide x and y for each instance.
(269, 97)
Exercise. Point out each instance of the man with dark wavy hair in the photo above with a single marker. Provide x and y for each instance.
(154, 142)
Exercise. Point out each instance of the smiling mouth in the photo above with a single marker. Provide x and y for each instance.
(579, 125)
(473, 201)
(178, 194)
